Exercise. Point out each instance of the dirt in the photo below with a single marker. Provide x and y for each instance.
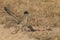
(29, 19)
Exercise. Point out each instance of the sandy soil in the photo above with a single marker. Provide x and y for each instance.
(41, 20)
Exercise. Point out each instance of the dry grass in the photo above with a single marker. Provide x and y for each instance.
(43, 20)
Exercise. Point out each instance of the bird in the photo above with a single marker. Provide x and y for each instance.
(22, 21)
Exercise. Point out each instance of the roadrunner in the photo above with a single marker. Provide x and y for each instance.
(21, 23)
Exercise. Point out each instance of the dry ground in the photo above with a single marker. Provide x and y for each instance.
(44, 18)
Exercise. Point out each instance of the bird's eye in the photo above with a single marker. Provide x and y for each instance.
(26, 12)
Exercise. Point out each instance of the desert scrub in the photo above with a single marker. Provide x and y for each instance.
(40, 35)
(56, 37)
